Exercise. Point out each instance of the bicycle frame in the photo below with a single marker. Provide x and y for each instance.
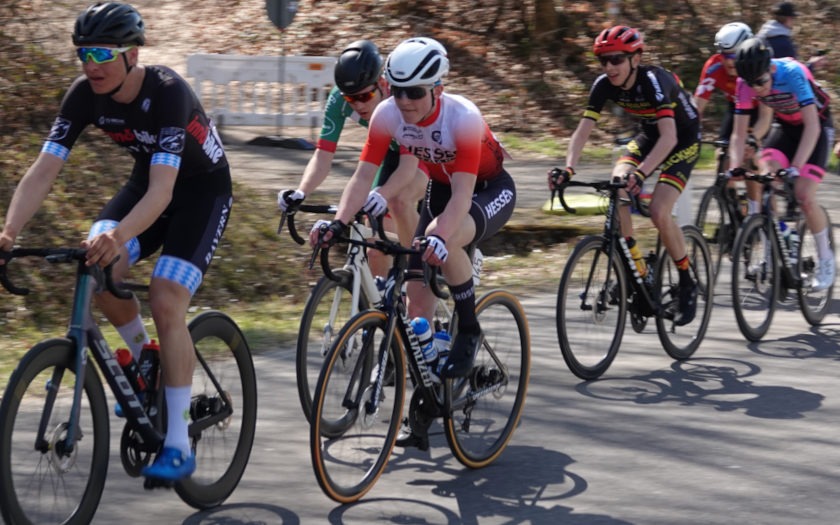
(613, 239)
(791, 278)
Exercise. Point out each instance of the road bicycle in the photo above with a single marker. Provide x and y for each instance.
(54, 430)
(765, 268)
(358, 403)
(601, 283)
(722, 210)
(334, 300)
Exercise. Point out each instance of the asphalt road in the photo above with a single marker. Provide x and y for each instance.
(741, 433)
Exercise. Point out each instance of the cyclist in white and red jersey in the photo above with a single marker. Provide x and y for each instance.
(719, 72)
(359, 88)
(800, 139)
(177, 199)
(669, 138)
(469, 197)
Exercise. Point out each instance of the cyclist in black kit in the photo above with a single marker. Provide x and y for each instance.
(178, 197)
(669, 137)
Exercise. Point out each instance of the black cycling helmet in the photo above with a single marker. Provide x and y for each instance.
(752, 59)
(358, 66)
(109, 23)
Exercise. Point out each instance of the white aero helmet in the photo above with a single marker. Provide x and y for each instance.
(417, 61)
(732, 34)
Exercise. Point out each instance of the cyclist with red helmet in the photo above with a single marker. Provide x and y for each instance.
(668, 138)
(359, 88)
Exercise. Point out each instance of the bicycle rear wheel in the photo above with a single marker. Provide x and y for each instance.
(716, 226)
(354, 427)
(591, 310)
(680, 342)
(223, 411)
(481, 418)
(327, 310)
(43, 482)
(755, 278)
(814, 304)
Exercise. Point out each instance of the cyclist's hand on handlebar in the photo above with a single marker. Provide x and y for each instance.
(635, 179)
(7, 242)
(375, 205)
(102, 249)
(326, 233)
(289, 200)
(436, 251)
(558, 176)
(736, 173)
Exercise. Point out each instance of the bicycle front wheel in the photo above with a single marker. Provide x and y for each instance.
(591, 309)
(814, 304)
(680, 342)
(482, 417)
(755, 278)
(716, 226)
(41, 479)
(356, 409)
(223, 411)
(328, 308)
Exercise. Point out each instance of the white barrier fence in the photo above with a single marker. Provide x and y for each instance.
(244, 90)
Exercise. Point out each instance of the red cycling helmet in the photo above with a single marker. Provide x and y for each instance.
(618, 39)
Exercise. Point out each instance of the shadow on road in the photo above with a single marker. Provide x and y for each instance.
(719, 383)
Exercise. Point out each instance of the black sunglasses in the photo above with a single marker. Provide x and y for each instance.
(760, 81)
(412, 92)
(615, 60)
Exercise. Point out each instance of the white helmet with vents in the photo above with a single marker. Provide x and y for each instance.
(419, 61)
(730, 35)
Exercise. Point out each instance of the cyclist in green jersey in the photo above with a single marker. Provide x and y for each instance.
(359, 88)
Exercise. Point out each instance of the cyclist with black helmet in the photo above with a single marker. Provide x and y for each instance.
(800, 139)
(177, 198)
(359, 88)
(469, 197)
(668, 138)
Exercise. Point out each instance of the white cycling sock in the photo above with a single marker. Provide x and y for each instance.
(178, 418)
(753, 207)
(823, 247)
(135, 336)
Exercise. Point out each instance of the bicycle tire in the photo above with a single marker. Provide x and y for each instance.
(755, 280)
(589, 340)
(814, 305)
(347, 464)
(318, 328)
(482, 418)
(680, 342)
(715, 225)
(68, 487)
(222, 449)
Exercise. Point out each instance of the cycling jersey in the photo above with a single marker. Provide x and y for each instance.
(164, 124)
(793, 87)
(657, 93)
(454, 138)
(336, 113)
(714, 76)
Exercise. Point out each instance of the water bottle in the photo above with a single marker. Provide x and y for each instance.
(442, 342)
(423, 331)
(130, 369)
(793, 245)
(786, 233)
(150, 363)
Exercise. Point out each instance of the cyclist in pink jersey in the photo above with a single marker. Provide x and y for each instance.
(800, 139)
(469, 197)
(359, 88)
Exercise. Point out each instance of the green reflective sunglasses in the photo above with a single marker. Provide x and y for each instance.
(100, 55)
